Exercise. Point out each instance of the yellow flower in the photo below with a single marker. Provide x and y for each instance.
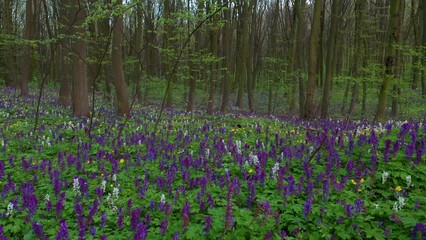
(362, 180)
(359, 190)
(398, 189)
(121, 160)
(250, 171)
(353, 182)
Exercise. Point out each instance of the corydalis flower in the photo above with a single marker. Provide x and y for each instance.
(38, 230)
(385, 176)
(9, 209)
(307, 207)
(408, 179)
(63, 231)
(76, 186)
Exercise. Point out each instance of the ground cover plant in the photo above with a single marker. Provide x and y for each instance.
(231, 176)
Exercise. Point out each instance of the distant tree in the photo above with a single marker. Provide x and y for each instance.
(360, 12)
(394, 29)
(241, 71)
(117, 64)
(9, 50)
(79, 67)
(30, 21)
(214, 50)
(227, 51)
(309, 110)
(331, 61)
(65, 86)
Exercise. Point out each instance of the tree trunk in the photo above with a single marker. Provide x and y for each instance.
(423, 4)
(415, 61)
(29, 32)
(214, 48)
(360, 7)
(79, 68)
(241, 73)
(227, 42)
(331, 56)
(313, 53)
(63, 52)
(250, 54)
(398, 62)
(394, 29)
(9, 51)
(117, 66)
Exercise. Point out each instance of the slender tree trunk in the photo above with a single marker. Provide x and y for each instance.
(79, 68)
(250, 54)
(214, 48)
(360, 7)
(227, 42)
(241, 73)
(415, 22)
(394, 29)
(29, 32)
(195, 66)
(10, 59)
(272, 52)
(117, 66)
(398, 62)
(63, 52)
(313, 53)
(137, 50)
(331, 56)
(423, 4)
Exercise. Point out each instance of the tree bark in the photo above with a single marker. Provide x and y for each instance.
(63, 52)
(241, 73)
(10, 59)
(117, 65)
(79, 68)
(227, 42)
(394, 28)
(214, 48)
(331, 56)
(313, 53)
(29, 32)
(360, 7)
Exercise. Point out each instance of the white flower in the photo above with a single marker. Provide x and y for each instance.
(395, 207)
(9, 209)
(103, 185)
(47, 197)
(376, 206)
(207, 153)
(408, 178)
(238, 144)
(115, 192)
(401, 202)
(114, 177)
(254, 159)
(385, 176)
(275, 169)
(76, 186)
(163, 199)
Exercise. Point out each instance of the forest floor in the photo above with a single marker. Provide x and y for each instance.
(224, 176)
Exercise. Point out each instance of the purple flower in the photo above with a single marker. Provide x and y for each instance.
(307, 207)
(59, 207)
(93, 231)
(120, 222)
(163, 225)
(103, 219)
(134, 219)
(229, 217)
(419, 229)
(63, 231)
(185, 214)
(141, 232)
(207, 224)
(38, 231)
